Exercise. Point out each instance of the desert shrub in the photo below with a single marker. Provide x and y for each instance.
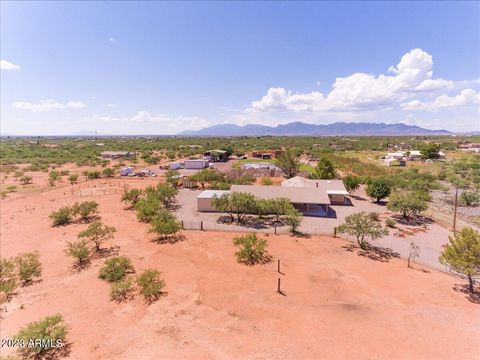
(131, 197)
(93, 174)
(108, 172)
(390, 223)
(150, 284)
(64, 172)
(251, 249)
(73, 178)
(237, 203)
(78, 250)
(116, 268)
(28, 267)
(470, 198)
(18, 174)
(97, 233)
(49, 334)
(53, 176)
(164, 224)
(267, 181)
(374, 216)
(25, 180)
(11, 188)
(122, 290)
(62, 216)
(85, 209)
(293, 219)
(163, 192)
(8, 278)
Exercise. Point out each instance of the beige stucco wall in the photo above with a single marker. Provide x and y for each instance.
(204, 204)
(337, 199)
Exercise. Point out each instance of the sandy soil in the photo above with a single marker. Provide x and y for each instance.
(338, 305)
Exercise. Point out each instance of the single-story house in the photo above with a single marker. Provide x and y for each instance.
(335, 189)
(205, 199)
(196, 164)
(267, 154)
(116, 154)
(395, 162)
(395, 156)
(216, 155)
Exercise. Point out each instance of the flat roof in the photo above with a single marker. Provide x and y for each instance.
(210, 194)
(297, 195)
(324, 185)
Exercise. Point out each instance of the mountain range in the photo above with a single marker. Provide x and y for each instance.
(302, 129)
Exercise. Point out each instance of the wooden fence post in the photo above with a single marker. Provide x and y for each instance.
(278, 266)
(335, 232)
(278, 287)
(183, 228)
(201, 225)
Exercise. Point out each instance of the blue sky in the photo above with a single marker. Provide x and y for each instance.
(159, 68)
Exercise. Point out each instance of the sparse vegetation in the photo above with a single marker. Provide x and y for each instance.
(378, 189)
(85, 209)
(44, 338)
(408, 203)
(251, 249)
(28, 267)
(122, 290)
(289, 163)
(164, 224)
(62, 216)
(8, 278)
(150, 284)
(73, 179)
(79, 251)
(25, 180)
(131, 197)
(116, 268)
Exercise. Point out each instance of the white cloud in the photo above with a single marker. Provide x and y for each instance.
(112, 40)
(466, 97)
(47, 105)
(361, 91)
(110, 105)
(7, 65)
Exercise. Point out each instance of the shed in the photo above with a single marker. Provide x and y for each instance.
(205, 199)
(196, 164)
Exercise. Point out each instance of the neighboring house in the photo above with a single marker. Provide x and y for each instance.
(267, 154)
(116, 154)
(216, 155)
(259, 165)
(395, 162)
(395, 156)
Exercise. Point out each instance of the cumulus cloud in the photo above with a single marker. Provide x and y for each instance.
(466, 97)
(413, 75)
(47, 105)
(110, 105)
(7, 65)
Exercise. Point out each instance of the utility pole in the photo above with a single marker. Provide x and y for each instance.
(455, 208)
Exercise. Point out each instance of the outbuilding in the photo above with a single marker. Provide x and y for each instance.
(205, 199)
(196, 164)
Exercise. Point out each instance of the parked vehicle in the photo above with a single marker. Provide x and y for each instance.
(125, 171)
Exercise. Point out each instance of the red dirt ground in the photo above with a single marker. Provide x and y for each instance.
(338, 305)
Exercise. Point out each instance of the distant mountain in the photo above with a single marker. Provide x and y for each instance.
(301, 129)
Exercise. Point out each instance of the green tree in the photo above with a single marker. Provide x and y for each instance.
(164, 192)
(362, 227)
(62, 216)
(73, 179)
(131, 197)
(351, 182)
(293, 219)
(207, 176)
(172, 177)
(267, 181)
(97, 233)
(251, 250)
(407, 203)
(49, 335)
(289, 163)
(80, 251)
(150, 284)
(28, 267)
(430, 151)
(324, 170)
(147, 208)
(378, 189)
(164, 224)
(462, 253)
(85, 209)
(116, 268)
(276, 207)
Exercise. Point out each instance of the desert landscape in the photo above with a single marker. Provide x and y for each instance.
(335, 302)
